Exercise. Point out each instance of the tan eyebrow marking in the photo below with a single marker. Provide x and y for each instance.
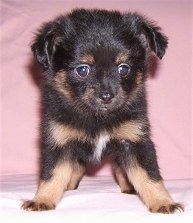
(121, 58)
(87, 58)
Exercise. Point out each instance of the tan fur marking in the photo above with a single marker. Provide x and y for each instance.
(77, 174)
(62, 133)
(122, 180)
(121, 58)
(87, 58)
(139, 79)
(130, 130)
(65, 176)
(88, 94)
(50, 192)
(61, 85)
(153, 193)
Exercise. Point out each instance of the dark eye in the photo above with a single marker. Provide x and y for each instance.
(123, 69)
(82, 70)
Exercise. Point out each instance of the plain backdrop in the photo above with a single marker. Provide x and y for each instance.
(169, 87)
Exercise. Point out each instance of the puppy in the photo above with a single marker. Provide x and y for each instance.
(94, 104)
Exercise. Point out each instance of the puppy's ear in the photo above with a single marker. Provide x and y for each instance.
(157, 41)
(148, 33)
(43, 45)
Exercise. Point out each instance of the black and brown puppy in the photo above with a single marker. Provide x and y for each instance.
(95, 64)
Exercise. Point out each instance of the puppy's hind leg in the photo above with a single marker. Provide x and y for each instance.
(123, 181)
(77, 173)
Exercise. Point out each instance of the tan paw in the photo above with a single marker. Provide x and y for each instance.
(129, 191)
(167, 208)
(31, 205)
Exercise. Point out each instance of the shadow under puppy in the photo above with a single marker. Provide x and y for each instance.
(95, 68)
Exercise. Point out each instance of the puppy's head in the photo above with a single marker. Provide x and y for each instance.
(97, 59)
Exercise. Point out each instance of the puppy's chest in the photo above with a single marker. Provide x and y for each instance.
(64, 136)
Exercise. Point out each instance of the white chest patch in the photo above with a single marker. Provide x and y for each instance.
(100, 145)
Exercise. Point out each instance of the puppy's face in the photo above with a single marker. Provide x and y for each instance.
(101, 77)
(97, 59)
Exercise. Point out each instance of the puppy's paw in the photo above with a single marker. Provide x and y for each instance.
(167, 208)
(129, 191)
(31, 205)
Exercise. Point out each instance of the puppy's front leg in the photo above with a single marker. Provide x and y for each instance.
(50, 191)
(152, 192)
(143, 172)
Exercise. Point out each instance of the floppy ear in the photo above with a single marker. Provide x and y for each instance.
(157, 41)
(149, 34)
(43, 46)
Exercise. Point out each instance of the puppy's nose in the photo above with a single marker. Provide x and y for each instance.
(106, 97)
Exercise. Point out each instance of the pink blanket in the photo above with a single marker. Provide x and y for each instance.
(98, 199)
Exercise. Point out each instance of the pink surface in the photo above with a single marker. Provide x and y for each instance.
(170, 89)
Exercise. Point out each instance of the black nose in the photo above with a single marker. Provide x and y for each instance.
(106, 97)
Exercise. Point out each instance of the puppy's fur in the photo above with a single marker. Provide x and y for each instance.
(95, 68)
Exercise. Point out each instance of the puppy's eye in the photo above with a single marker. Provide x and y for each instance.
(124, 69)
(82, 70)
